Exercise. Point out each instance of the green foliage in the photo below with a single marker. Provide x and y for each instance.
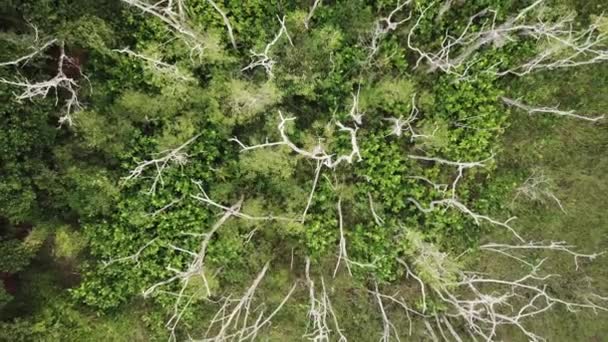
(114, 236)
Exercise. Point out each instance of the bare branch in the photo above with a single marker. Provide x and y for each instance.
(203, 197)
(60, 81)
(320, 310)
(226, 22)
(311, 13)
(342, 247)
(559, 246)
(548, 110)
(318, 153)
(263, 59)
(400, 124)
(157, 65)
(168, 157)
(384, 26)
(536, 188)
(232, 322)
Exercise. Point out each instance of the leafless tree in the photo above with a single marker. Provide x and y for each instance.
(537, 187)
(321, 314)
(548, 110)
(484, 303)
(311, 13)
(226, 22)
(400, 124)
(238, 320)
(560, 45)
(158, 65)
(61, 81)
(384, 26)
(318, 153)
(263, 59)
(165, 159)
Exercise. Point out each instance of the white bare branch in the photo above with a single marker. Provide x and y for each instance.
(173, 16)
(158, 65)
(384, 26)
(477, 218)
(203, 197)
(61, 81)
(234, 320)
(461, 166)
(133, 257)
(319, 312)
(560, 45)
(556, 246)
(312, 191)
(26, 58)
(548, 110)
(226, 22)
(485, 303)
(318, 153)
(263, 58)
(400, 124)
(388, 328)
(311, 13)
(537, 188)
(166, 158)
(379, 221)
(342, 254)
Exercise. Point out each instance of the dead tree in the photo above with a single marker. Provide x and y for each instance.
(561, 47)
(537, 188)
(384, 26)
(174, 14)
(321, 315)
(158, 65)
(165, 159)
(548, 110)
(400, 124)
(238, 320)
(60, 82)
(484, 303)
(263, 59)
(311, 12)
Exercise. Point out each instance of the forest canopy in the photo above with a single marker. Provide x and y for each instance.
(286, 170)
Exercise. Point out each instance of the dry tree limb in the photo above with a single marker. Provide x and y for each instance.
(263, 58)
(461, 166)
(485, 303)
(320, 311)
(61, 81)
(548, 110)
(196, 267)
(567, 48)
(233, 321)
(535, 188)
(379, 221)
(318, 153)
(157, 65)
(174, 17)
(388, 328)
(226, 22)
(400, 124)
(133, 257)
(311, 13)
(477, 218)
(312, 191)
(204, 198)
(26, 58)
(342, 254)
(167, 157)
(559, 246)
(384, 26)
